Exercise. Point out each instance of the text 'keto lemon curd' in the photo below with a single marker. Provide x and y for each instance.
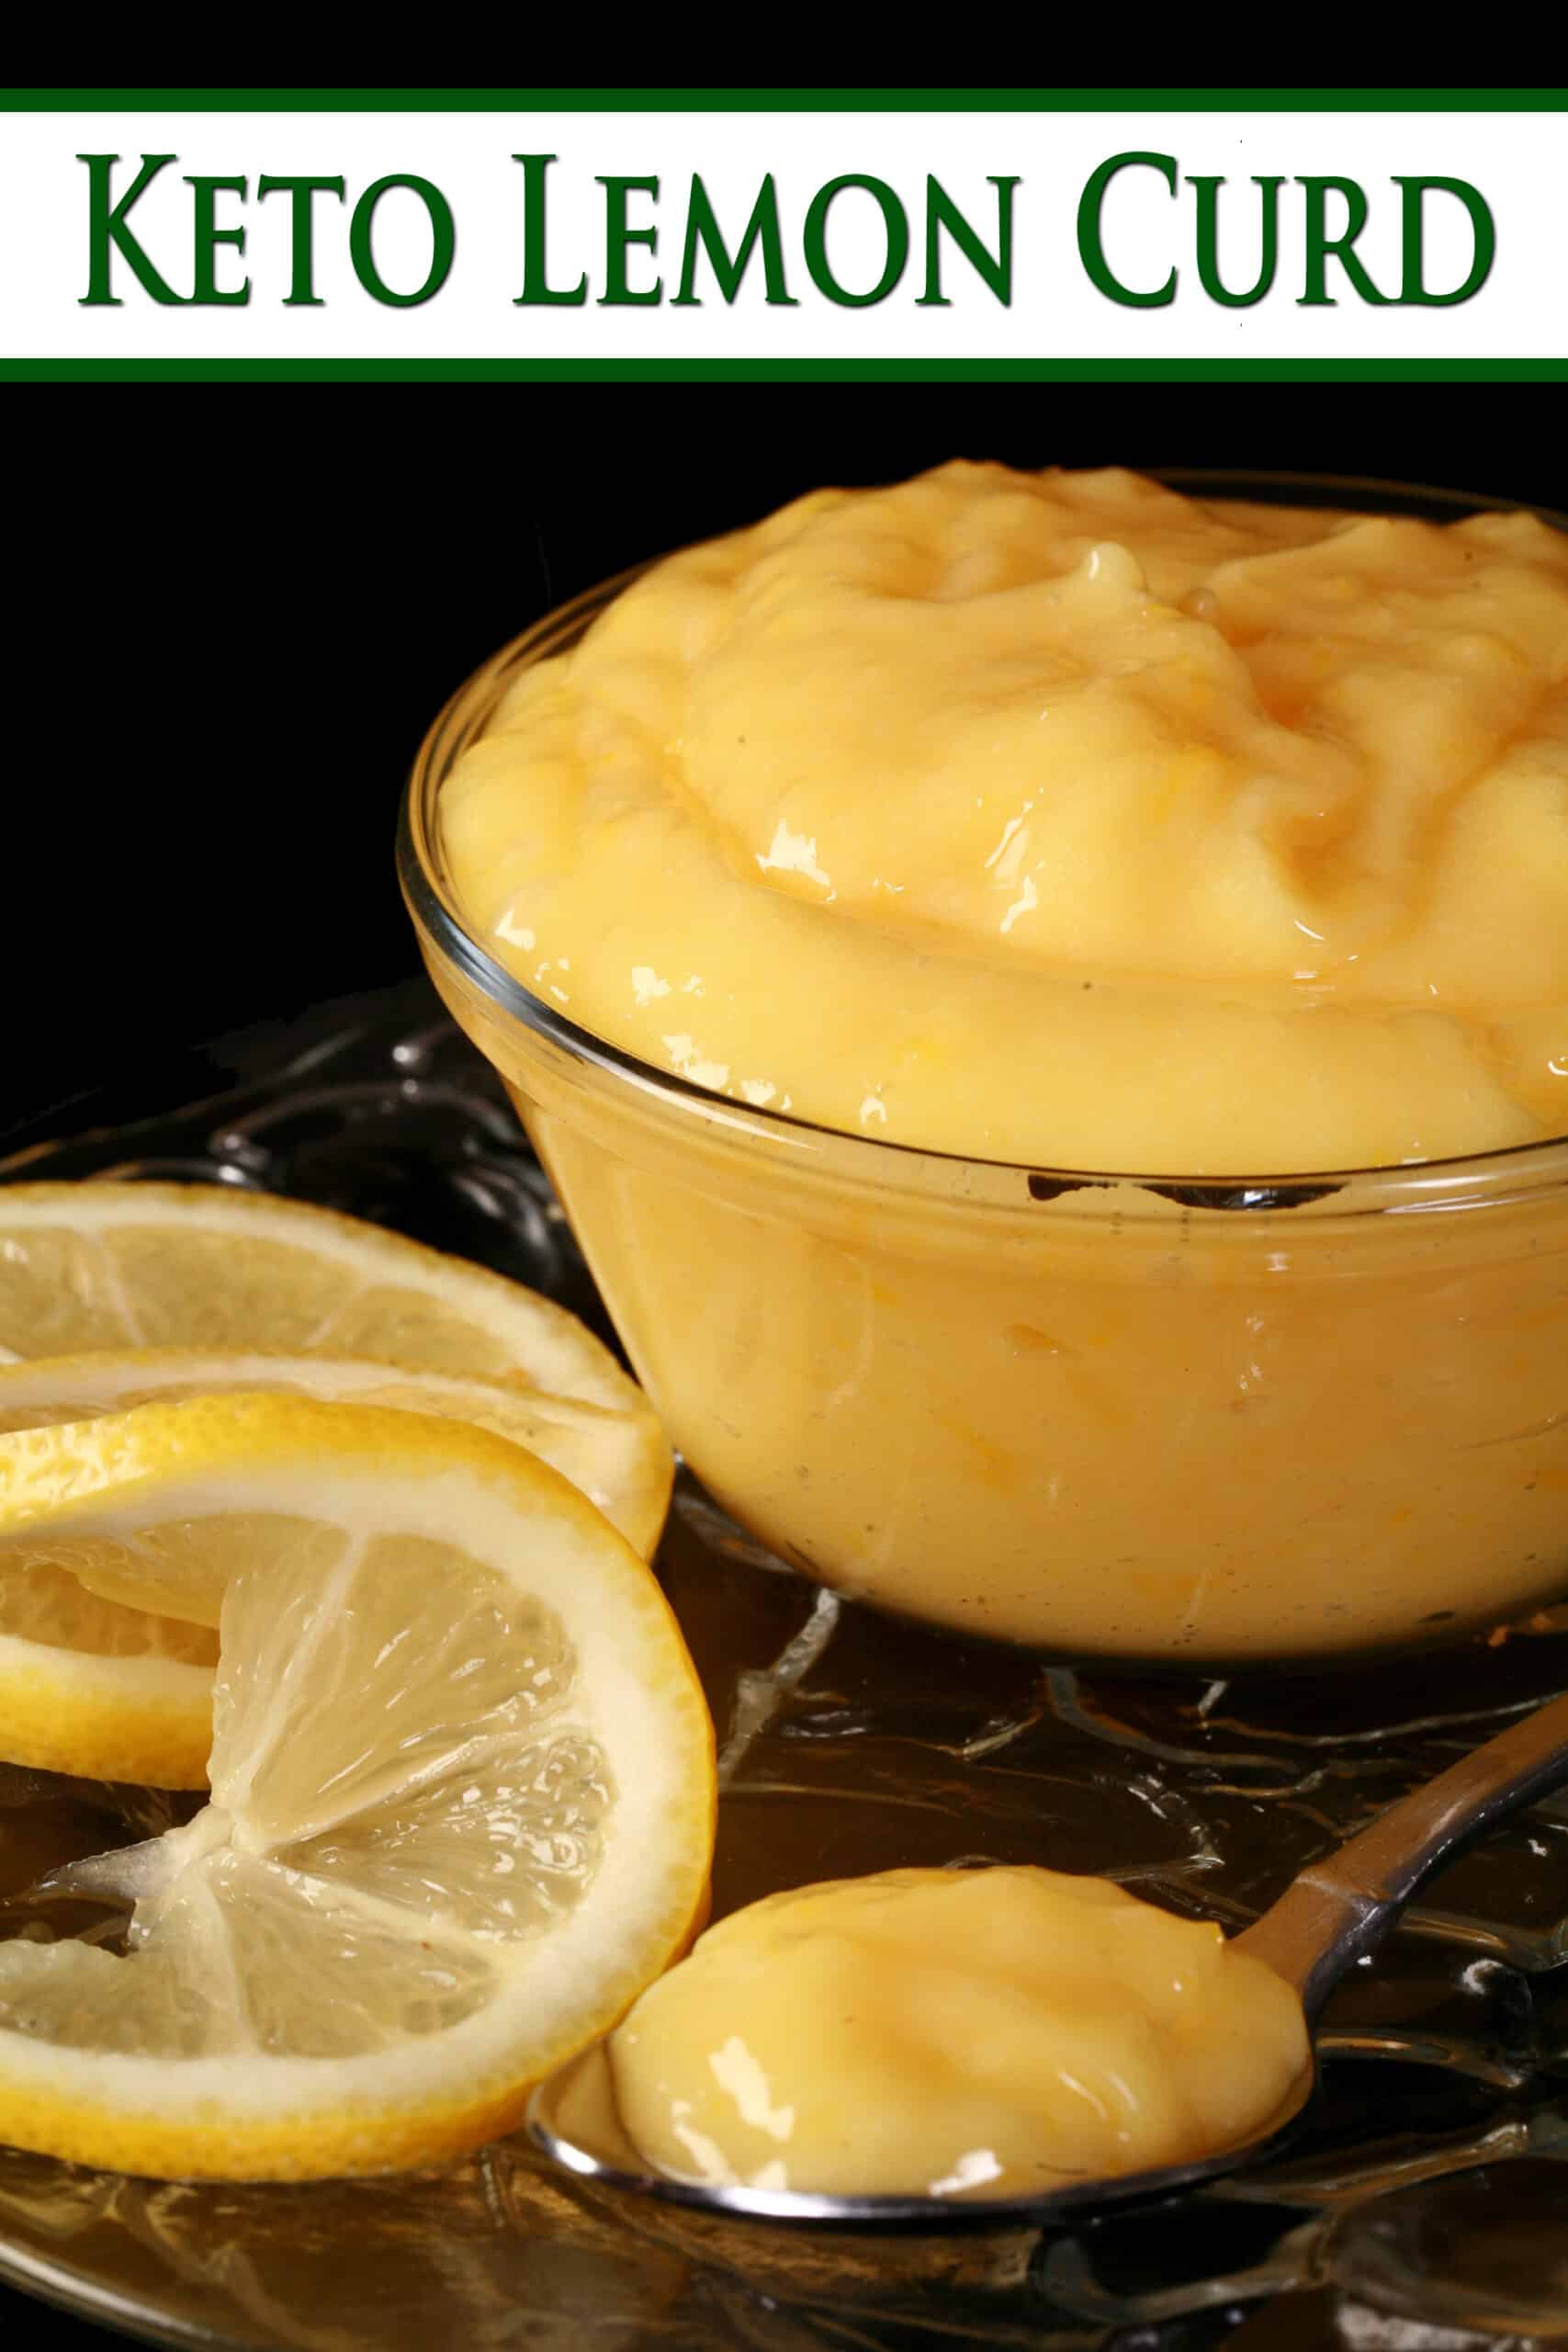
(954, 2033)
(1061, 818)
(1103, 847)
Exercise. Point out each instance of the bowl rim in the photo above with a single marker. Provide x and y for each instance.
(1445, 1182)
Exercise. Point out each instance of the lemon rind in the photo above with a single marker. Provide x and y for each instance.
(146, 1720)
(637, 1507)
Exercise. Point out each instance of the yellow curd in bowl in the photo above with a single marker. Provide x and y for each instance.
(1060, 819)
(954, 2033)
(1095, 844)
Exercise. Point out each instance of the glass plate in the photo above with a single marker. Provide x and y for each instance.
(1425, 2207)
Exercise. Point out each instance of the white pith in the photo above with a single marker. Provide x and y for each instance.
(82, 1675)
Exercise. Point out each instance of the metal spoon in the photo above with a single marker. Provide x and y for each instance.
(1335, 1911)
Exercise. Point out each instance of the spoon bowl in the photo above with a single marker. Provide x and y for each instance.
(572, 2121)
(1333, 1913)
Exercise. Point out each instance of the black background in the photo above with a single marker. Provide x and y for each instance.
(238, 607)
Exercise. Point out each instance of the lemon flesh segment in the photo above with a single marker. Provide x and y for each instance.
(108, 1265)
(620, 1459)
(462, 1798)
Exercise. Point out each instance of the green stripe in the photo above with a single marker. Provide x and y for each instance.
(828, 101)
(783, 371)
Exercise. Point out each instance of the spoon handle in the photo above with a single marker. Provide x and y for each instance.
(1339, 1907)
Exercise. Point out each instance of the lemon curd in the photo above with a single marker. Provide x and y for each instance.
(1054, 825)
(1061, 819)
(957, 2033)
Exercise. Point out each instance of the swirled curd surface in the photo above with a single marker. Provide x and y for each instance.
(956, 2033)
(1063, 818)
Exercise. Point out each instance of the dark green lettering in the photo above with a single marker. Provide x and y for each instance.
(443, 240)
(536, 286)
(1320, 245)
(1209, 276)
(207, 236)
(1483, 237)
(1091, 247)
(301, 280)
(703, 234)
(896, 227)
(107, 232)
(943, 213)
(618, 236)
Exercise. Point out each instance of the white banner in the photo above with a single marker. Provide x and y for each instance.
(1143, 235)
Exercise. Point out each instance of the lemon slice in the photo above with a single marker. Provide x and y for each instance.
(88, 1266)
(620, 1460)
(462, 1793)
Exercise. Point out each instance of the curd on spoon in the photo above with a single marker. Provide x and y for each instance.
(990, 2032)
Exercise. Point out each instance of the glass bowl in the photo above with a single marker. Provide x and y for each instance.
(1133, 1417)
